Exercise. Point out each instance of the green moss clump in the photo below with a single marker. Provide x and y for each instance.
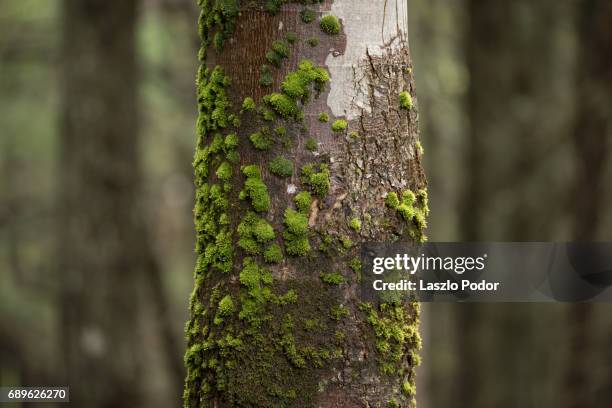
(280, 50)
(262, 140)
(218, 18)
(302, 201)
(396, 334)
(334, 278)
(296, 233)
(308, 15)
(226, 306)
(273, 254)
(312, 41)
(354, 135)
(255, 188)
(296, 84)
(355, 265)
(338, 312)
(413, 208)
(405, 100)
(224, 171)
(248, 104)
(311, 144)
(339, 125)
(256, 279)
(291, 37)
(282, 104)
(392, 200)
(274, 6)
(419, 148)
(355, 224)
(252, 232)
(323, 117)
(408, 388)
(318, 182)
(281, 166)
(330, 24)
(266, 78)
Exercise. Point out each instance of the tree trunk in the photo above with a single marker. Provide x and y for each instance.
(591, 135)
(330, 131)
(102, 243)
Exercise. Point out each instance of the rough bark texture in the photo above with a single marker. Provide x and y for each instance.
(292, 331)
(103, 249)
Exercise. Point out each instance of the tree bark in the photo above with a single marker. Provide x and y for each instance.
(292, 332)
(102, 242)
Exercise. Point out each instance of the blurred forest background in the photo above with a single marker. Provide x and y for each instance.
(515, 102)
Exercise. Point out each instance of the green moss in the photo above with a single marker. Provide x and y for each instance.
(252, 232)
(405, 100)
(413, 208)
(339, 125)
(266, 78)
(312, 41)
(273, 254)
(248, 104)
(308, 15)
(330, 24)
(226, 306)
(396, 334)
(274, 6)
(318, 182)
(311, 144)
(297, 84)
(408, 388)
(296, 233)
(419, 148)
(338, 312)
(281, 48)
(334, 278)
(268, 115)
(218, 18)
(354, 135)
(392, 200)
(346, 242)
(291, 37)
(302, 201)
(224, 171)
(262, 140)
(255, 188)
(355, 223)
(282, 104)
(323, 117)
(281, 166)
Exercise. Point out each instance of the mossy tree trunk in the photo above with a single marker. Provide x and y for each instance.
(103, 248)
(307, 121)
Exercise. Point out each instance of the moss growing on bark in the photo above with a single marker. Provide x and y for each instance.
(296, 233)
(281, 166)
(308, 15)
(262, 140)
(413, 208)
(273, 254)
(334, 278)
(255, 189)
(330, 24)
(405, 100)
(252, 232)
(339, 125)
(318, 182)
(302, 201)
(311, 144)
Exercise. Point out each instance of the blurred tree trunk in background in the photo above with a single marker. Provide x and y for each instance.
(267, 331)
(591, 138)
(103, 244)
(510, 115)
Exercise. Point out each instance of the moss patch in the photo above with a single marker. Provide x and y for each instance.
(330, 24)
(281, 166)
